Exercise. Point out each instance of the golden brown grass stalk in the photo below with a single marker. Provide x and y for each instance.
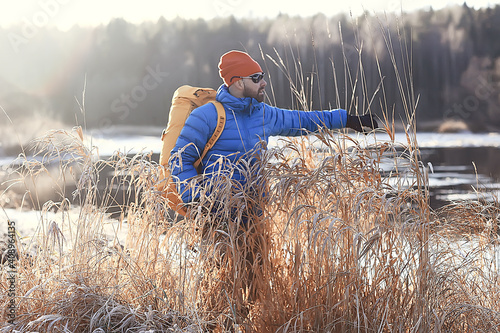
(344, 240)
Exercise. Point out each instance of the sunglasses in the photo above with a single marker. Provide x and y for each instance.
(256, 78)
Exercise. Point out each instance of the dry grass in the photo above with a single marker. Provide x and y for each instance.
(341, 245)
(337, 248)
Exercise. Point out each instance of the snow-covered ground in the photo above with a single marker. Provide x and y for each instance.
(28, 223)
(149, 140)
(133, 140)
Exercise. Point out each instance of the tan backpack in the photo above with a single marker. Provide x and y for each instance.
(185, 100)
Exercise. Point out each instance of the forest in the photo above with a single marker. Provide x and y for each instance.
(125, 74)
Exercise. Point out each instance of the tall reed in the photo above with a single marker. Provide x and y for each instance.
(340, 238)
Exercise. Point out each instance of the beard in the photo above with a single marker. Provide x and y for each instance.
(258, 95)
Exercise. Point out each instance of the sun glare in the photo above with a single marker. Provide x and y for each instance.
(66, 13)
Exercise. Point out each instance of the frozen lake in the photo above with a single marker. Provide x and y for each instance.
(460, 161)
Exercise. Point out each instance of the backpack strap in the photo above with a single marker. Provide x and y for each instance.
(221, 122)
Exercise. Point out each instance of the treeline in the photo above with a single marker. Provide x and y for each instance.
(123, 73)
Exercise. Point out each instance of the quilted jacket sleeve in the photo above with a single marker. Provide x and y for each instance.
(189, 146)
(294, 123)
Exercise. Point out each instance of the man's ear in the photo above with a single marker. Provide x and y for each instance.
(237, 89)
(240, 84)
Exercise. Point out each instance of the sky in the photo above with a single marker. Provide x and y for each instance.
(66, 13)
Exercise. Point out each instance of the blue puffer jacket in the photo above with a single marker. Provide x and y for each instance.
(247, 123)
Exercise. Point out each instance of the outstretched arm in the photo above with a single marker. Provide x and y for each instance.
(293, 123)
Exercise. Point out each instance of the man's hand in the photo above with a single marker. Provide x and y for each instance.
(358, 122)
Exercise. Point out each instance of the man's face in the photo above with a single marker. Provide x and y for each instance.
(254, 89)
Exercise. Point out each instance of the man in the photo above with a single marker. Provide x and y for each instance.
(249, 121)
(231, 188)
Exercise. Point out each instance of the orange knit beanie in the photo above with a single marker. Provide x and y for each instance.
(236, 63)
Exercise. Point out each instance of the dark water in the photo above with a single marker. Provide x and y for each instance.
(459, 171)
